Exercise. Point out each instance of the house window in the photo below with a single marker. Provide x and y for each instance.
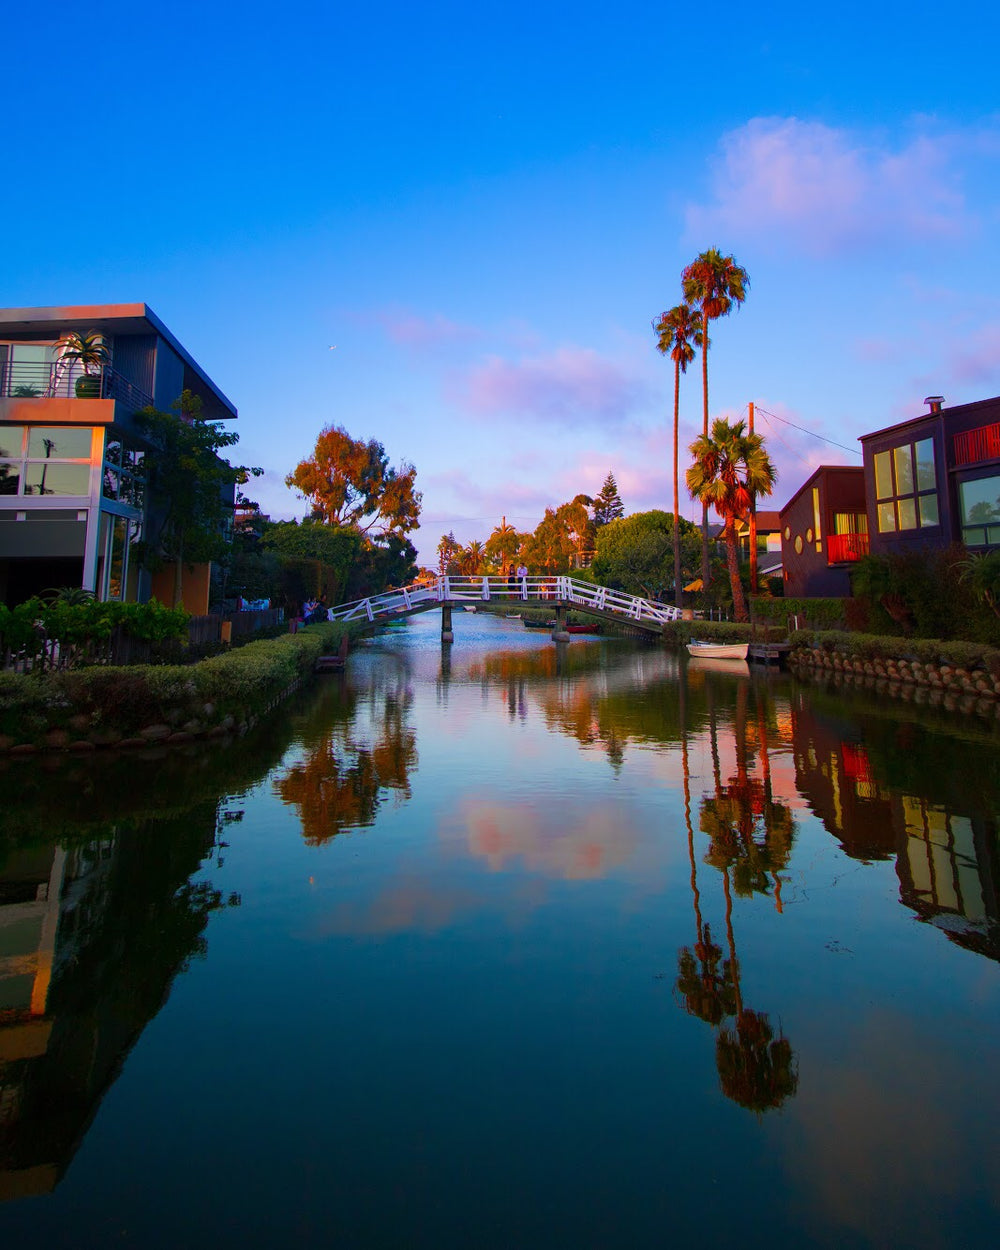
(906, 487)
(979, 502)
(123, 475)
(45, 460)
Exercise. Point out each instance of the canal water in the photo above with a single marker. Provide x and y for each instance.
(516, 946)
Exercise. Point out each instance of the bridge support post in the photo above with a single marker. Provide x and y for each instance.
(559, 632)
(447, 634)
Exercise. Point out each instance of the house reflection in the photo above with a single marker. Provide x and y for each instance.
(91, 937)
(945, 849)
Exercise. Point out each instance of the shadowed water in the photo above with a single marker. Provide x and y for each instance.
(514, 945)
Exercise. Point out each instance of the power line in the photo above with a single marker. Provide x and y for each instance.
(802, 430)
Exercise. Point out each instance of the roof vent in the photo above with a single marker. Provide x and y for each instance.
(935, 402)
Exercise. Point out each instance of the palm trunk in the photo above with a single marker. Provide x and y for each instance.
(732, 560)
(677, 504)
(705, 578)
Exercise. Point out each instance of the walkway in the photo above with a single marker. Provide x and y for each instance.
(556, 593)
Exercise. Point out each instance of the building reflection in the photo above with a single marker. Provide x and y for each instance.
(860, 778)
(92, 935)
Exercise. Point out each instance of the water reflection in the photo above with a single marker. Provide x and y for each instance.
(91, 936)
(358, 748)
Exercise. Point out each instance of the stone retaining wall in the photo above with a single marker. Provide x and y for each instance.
(970, 691)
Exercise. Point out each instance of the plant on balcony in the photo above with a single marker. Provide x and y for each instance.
(89, 350)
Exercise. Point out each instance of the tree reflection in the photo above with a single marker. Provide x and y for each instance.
(344, 778)
(751, 836)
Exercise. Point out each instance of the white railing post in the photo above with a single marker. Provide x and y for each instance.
(368, 609)
(406, 597)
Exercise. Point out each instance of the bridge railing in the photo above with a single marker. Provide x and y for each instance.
(421, 595)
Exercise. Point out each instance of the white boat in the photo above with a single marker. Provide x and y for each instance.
(513, 616)
(470, 607)
(718, 650)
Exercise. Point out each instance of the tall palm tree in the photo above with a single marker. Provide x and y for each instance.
(730, 469)
(712, 283)
(472, 558)
(678, 334)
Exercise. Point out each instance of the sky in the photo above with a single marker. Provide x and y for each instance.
(482, 209)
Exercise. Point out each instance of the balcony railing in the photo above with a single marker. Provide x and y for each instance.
(971, 446)
(843, 547)
(32, 379)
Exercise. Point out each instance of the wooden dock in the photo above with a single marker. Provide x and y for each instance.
(769, 652)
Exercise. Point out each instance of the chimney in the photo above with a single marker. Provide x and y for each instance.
(935, 402)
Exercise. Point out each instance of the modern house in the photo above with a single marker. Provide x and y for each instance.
(73, 498)
(824, 530)
(935, 480)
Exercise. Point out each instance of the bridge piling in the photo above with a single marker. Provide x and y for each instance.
(560, 632)
(447, 633)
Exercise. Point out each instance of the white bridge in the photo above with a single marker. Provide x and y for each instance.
(556, 594)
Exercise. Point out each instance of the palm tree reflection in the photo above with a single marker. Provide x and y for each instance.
(751, 835)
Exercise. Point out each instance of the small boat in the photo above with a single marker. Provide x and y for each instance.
(529, 623)
(718, 650)
(470, 607)
(512, 616)
(583, 629)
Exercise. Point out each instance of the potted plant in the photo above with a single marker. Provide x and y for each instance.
(89, 350)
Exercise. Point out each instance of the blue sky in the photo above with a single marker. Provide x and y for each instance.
(484, 209)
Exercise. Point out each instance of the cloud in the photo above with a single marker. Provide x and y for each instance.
(978, 358)
(569, 384)
(409, 329)
(830, 190)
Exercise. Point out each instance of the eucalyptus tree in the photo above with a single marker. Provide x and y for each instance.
(712, 284)
(678, 335)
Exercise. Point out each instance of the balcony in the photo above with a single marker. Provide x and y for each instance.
(971, 446)
(30, 379)
(842, 548)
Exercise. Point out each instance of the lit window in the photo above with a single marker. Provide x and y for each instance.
(906, 487)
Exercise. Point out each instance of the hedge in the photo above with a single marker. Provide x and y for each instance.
(819, 613)
(953, 652)
(227, 690)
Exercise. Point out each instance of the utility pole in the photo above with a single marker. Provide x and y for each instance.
(753, 527)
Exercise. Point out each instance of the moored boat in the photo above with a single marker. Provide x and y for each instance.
(718, 650)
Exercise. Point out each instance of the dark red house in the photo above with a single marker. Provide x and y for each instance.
(824, 530)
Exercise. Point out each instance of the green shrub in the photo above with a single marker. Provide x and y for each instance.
(819, 613)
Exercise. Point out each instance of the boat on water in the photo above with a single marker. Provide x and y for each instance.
(583, 629)
(512, 616)
(470, 607)
(528, 623)
(718, 650)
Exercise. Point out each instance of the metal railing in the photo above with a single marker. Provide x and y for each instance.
(971, 446)
(34, 379)
(421, 596)
(841, 548)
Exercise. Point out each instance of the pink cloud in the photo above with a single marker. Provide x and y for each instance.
(978, 358)
(830, 190)
(572, 383)
(408, 329)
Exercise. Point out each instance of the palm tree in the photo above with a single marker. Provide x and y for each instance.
(712, 283)
(87, 349)
(730, 469)
(503, 544)
(472, 558)
(678, 334)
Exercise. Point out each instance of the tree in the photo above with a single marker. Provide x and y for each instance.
(447, 550)
(981, 573)
(730, 469)
(189, 483)
(678, 334)
(712, 283)
(471, 558)
(561, 536)
(608, 505)
(633, 553)
(338, 548)
(504, 544)
(350, 482)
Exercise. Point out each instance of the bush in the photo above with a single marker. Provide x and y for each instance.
(955, 652)
(819, 613)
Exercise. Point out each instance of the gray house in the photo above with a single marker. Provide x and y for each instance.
(73, 499)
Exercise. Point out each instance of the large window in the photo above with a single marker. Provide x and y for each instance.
(979, 502)
(45, 460)
(906, 487)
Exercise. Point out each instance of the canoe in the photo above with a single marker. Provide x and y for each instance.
(530, 624)
(718, 650)
(583, 629)
(512, 616)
